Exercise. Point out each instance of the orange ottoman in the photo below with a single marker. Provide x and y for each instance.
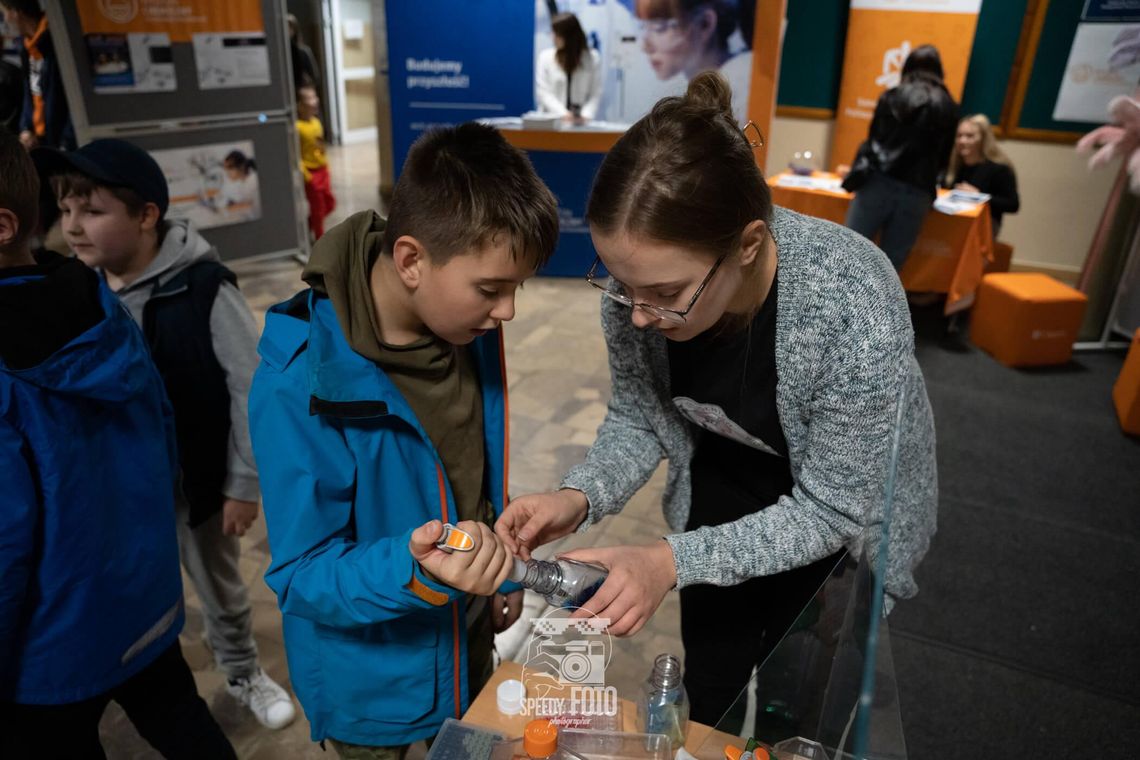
(1126, 392)
(1024, 319)
(1003, 256)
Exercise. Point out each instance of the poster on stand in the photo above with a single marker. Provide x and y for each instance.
(212, 185)
(1111, 10)
(10, 43)
(128, 43)
(880, 36)
(126, 63)
(181, 19)
(231, 60)
(1104, 61)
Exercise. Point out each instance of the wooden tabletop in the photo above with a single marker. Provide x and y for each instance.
(563, 140)
(484, 711)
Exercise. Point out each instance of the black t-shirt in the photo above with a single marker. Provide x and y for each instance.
(725, 384)
(996, 179)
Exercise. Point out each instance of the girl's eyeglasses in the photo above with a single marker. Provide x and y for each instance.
(605, 285)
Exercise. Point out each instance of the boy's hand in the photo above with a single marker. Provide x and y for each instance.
(505, 610)
(530, 521)
(480, 571)
(28, 139)
(237, 516)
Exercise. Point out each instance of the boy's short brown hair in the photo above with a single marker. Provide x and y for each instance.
(462, 185)
(79, 185)
(20, 188)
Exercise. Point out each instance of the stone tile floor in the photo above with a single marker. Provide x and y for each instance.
(559, 385)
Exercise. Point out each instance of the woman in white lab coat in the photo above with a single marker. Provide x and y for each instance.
(568, 79)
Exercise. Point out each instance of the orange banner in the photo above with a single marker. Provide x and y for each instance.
(880, 35)
(181, 19)
(767, 42)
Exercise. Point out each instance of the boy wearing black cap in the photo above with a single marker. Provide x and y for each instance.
(90, 594)
(113, 199)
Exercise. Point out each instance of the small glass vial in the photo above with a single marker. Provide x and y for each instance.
(563, 582)
(664, 705)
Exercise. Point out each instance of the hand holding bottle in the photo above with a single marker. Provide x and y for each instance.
(530, 521)
(480, 571)
(639, 578)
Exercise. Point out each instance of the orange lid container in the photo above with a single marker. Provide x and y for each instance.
(540, 739)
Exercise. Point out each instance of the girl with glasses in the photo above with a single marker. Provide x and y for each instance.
(763, 354)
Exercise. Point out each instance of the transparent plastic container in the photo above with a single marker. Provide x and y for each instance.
(541, 740)
(800, 748)
(582, 722)
(563, 582)
(616, 745)
(664, 705)
(463, 741)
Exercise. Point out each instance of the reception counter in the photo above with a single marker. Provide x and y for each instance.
(566, 159)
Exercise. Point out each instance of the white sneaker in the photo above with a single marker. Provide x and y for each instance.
(268, 702)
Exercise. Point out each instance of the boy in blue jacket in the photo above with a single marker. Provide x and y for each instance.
(90, 593)
(113, 199)
(378, 412)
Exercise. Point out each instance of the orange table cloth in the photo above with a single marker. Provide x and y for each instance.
(949, 257)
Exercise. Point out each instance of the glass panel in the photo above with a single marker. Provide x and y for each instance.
(827, 691)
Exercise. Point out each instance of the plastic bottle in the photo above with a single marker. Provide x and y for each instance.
(539, 742)
(564, 582)
(664, 706)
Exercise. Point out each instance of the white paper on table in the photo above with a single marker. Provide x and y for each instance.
(957, 202)
(831, 184)
(231, 59)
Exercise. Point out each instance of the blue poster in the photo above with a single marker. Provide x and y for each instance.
(452, 61)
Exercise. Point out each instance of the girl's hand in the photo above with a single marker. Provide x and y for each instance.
(966, 187)
(530, 521)
(640, 576)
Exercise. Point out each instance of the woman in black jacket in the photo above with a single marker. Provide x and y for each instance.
(978, 165)
(895, 173)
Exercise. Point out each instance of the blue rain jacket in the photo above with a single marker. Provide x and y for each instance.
(377, 651)
(90, 589)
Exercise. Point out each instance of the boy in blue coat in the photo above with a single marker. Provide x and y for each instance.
(113, 198)
(90, 593)
(378, 412)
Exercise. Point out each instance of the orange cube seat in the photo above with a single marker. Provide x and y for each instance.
(1126, 391)
(1003, 256)
(1026, 319)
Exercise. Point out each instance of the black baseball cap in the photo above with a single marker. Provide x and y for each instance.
(111, 162)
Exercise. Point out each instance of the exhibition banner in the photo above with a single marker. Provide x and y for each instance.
(880, 36)
(452, 61)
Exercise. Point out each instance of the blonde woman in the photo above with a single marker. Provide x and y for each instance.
(978, 165)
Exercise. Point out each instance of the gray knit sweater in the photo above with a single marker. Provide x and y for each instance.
(844, 350)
